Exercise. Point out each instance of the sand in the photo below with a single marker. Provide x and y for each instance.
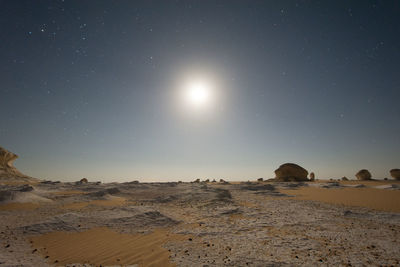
(371, 182)
(198, 224)
(102, 246)
(372, 198)
(18, 206)
(68, 192)
(111, 202)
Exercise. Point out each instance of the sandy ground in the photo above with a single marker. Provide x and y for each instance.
(198, 224)
(102, 246)
(373, 198)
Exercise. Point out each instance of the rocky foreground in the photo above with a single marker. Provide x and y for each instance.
(291, 220)
(191, 224)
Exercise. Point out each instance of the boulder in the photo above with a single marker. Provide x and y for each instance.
(395, 173)
(83, 181)
(363, 175)
(312, 176)
(290, 172)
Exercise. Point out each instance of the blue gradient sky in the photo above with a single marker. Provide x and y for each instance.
(89, 88)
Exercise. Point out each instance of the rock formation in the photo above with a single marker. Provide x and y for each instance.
(83, 181)
(344, 178)
(312, 176)
(363, 175)
(260, 179)
(289, 172)
(7, 169)
(395, 173)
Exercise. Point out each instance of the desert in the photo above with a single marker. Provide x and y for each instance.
(251, 223)
(194, 133)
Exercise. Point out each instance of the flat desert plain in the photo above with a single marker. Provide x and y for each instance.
(200, 224)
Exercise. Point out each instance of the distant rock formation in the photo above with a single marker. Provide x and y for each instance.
(260, 179)
(363, 175)
(290, 172)
(7, 169)
(344, 178)
(312, 176)
(395, 173)
(83, 181)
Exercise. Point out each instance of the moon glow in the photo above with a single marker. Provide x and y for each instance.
(198, 94)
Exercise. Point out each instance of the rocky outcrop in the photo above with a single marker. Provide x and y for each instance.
(344, 178)
(290, 172)
(363, 175)
(312, 176)
(7, 169)
(395, 173)
(82, 181)
(10, 193)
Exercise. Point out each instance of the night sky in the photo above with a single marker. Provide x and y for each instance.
(92, 88)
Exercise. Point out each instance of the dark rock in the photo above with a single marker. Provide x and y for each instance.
(363, 175)
(291, 172)
(395, 173)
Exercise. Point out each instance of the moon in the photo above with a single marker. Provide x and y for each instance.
(198, 94)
